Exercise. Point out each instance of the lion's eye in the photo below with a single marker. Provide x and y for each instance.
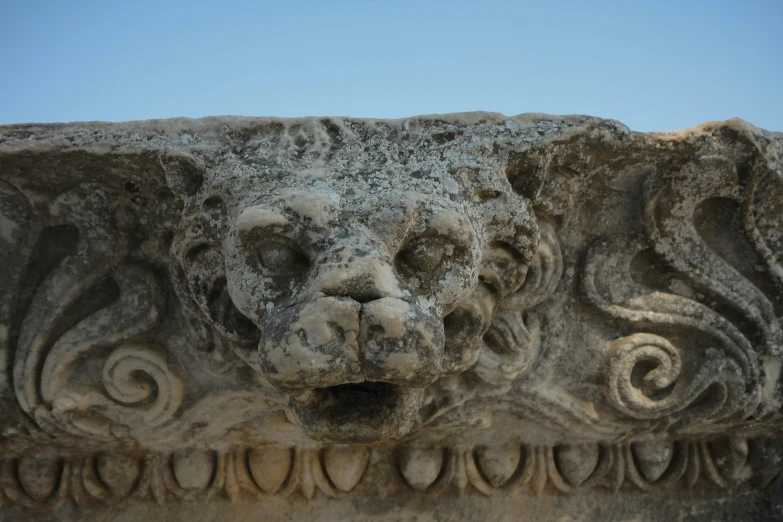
(424, 255)
(279, 255)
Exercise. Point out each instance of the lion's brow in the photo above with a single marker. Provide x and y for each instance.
(316, 206)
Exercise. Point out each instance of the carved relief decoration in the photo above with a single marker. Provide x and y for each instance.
(431, 471)
(204, 308)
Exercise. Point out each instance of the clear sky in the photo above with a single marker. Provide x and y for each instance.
(654, 65)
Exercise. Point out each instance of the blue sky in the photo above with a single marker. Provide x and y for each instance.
(654, 65)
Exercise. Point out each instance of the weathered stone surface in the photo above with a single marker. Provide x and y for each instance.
(338, 318)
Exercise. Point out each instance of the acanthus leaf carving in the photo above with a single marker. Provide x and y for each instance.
(61, 328)
(740, 376)
(610, 285)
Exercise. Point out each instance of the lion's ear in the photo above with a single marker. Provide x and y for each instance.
(197, 247)
(512, 342)
(510, 242)
(185, 174)
(511, 238)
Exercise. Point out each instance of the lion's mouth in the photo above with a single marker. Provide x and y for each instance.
(347, 404)
(358, 394)
(363, 412)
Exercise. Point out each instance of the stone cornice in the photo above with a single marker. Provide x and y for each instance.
(550, 302)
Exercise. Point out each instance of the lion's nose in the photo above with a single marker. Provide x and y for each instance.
(314, 345)
(401, 343)
(363, 279)
(361, 287)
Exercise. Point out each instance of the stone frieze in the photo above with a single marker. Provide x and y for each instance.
(256, 306)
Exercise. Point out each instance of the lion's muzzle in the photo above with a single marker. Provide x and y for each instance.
(351, 367)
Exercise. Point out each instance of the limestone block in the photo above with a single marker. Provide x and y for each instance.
(454, 317)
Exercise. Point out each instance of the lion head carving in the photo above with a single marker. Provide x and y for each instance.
(357, 289)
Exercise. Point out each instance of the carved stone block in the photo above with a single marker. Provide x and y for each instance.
(340, 318)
